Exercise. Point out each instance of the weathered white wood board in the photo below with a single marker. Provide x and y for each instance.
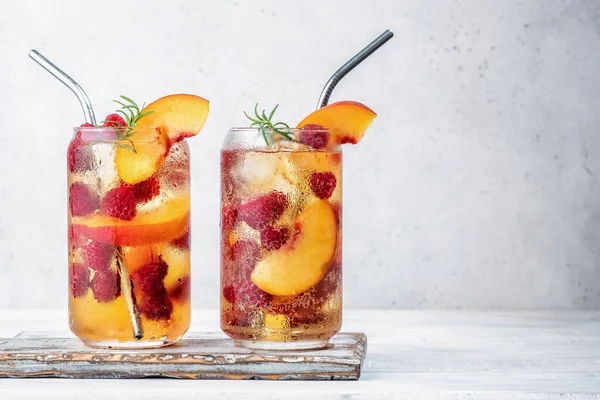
(421, 354)
(199, 356)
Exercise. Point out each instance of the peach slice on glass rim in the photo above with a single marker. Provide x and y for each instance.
(346, 120)
(172, 118)
(180, 115)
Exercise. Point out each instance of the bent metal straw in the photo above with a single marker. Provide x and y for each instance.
(88, 113)
(350, 65)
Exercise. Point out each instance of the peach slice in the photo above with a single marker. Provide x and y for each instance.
(166, 223)
(173, 118)
(138, 256)
(346, 120)
(302, 262)
(178, 261)
(151, 148)
(181, 115)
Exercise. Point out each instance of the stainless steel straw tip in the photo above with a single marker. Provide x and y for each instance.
(351, 64)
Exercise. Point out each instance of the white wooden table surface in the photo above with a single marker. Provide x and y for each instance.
(411, 354)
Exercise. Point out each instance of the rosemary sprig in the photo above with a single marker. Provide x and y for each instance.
(132, 114)
(267, 127)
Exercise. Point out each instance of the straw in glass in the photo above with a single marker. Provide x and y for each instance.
(350, 65)
(88, 112)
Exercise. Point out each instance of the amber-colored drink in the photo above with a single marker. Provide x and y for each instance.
(281, 265)
(129, 249)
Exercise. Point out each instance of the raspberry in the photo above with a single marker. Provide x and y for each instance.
(308, 303)
(148, 283)
(347, 139)
(80, 158)
(157, 308)
(245, 255)
(119, 203)
(314, 135)
(182, 291)
(323, 184)
(106, 286)
(228, 217)
(79, 280)
(115, 120)
(246, 294)
(183, 241)
(229, 293)
(146, 190)
(272, 238)
(147, 276)
(82, 199)
(263, 210)
(97, 256)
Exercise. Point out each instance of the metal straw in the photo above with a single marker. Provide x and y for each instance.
(126, 289)
(350, 64)
(69, 82)
(88, 112)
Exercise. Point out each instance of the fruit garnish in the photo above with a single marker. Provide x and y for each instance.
(145, 190)
(119, 203)
(150, 291)
(263, 210)
(302, 261)
(272, 238)
(314, 135)
(82, 199)
(139, 161)
(163, 224)
(79, 279)
(97, 256)
(131, 114)
(322, 184)
(347, 121)
(105, 286)
(152, 131)
(267, 127)
(142, 147)
(115, 121)
(180, 115)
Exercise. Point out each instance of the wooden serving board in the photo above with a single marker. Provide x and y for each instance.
(198, 356)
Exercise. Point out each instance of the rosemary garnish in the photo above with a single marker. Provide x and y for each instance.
(132, 114)
(266, 126)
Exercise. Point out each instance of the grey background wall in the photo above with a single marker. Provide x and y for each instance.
(477, 186)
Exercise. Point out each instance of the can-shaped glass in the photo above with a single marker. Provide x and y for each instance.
(281, 239)
(128, 238)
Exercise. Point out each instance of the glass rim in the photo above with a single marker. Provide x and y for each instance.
(109, 134)
(252, 139)
(292, 130)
